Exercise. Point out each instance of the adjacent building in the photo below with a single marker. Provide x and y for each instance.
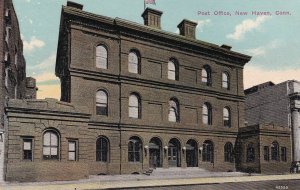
(264, 148)
(13, 65)
(278, 105)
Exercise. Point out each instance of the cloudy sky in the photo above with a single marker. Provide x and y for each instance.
(273, 40)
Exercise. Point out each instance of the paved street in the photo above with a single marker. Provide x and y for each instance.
(261, 185)
(281, 182)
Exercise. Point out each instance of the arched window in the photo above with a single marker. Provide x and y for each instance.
(275, 151)
(135, 150)
(225, 80)
(134, 62)
(206, 75)
(172, 70)
(226, 117)
(173, 110)
(250, 153)
(101, 57)
(101, 103)
(207, 114)
(102, 149)
(208, 152)
(228, 152)
(50, 145)
(134, 106)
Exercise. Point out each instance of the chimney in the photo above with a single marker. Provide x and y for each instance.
(187, 28)
(226, 47)
(74, 5)
(152, 18)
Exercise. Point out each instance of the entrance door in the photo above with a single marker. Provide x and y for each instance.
(173, 156)
(174, 153)
(191, 154)
(154, 159)
(155, 149)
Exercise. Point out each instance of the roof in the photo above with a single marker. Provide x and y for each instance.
(258, 87)
(76, 16)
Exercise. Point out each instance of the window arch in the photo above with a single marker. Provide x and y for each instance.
(135, 150)
(225, 80)
(275, 151)
(206, 75)
(101, 57)
(228, 152)
(173, 110)
(208, 151)
(226, 117)
(207, 114)
(102, 149)
(173, 70)
(134, 62)
(250, 153)
(51, 145)
(134, 106)
(101, 102)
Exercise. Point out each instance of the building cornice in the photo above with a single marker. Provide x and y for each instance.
(136, 30)
(92, 75)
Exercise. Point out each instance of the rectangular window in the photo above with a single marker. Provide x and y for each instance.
(16, 92)
(266, 153)
(16, 58)
(283, 154)
(6, 77)
(72, 150)
(7, 34)
(27, 149)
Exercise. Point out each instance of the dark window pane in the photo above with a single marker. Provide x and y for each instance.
(227, 123)
(101, 110)
(102, 148)
(130, 156)
(283, 154)
(250, 154)
(266, 153)
(27, 155)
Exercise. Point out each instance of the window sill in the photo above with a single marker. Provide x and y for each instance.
(26, 160)
(135, 162)
(102, 162)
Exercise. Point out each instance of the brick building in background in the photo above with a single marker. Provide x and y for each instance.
(133, 97)
(277, 105)
(13, 65)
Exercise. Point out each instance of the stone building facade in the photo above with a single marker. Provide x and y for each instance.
(279, 105)
(159, 99)
(13, 66)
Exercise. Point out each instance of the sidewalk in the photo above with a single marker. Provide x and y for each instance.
(90, 184)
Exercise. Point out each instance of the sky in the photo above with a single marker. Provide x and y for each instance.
(273, 40)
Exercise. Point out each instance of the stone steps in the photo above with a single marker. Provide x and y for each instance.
(178, 171)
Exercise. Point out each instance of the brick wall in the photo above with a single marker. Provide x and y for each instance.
(269, 105)
(260, 136)
(38, 117)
